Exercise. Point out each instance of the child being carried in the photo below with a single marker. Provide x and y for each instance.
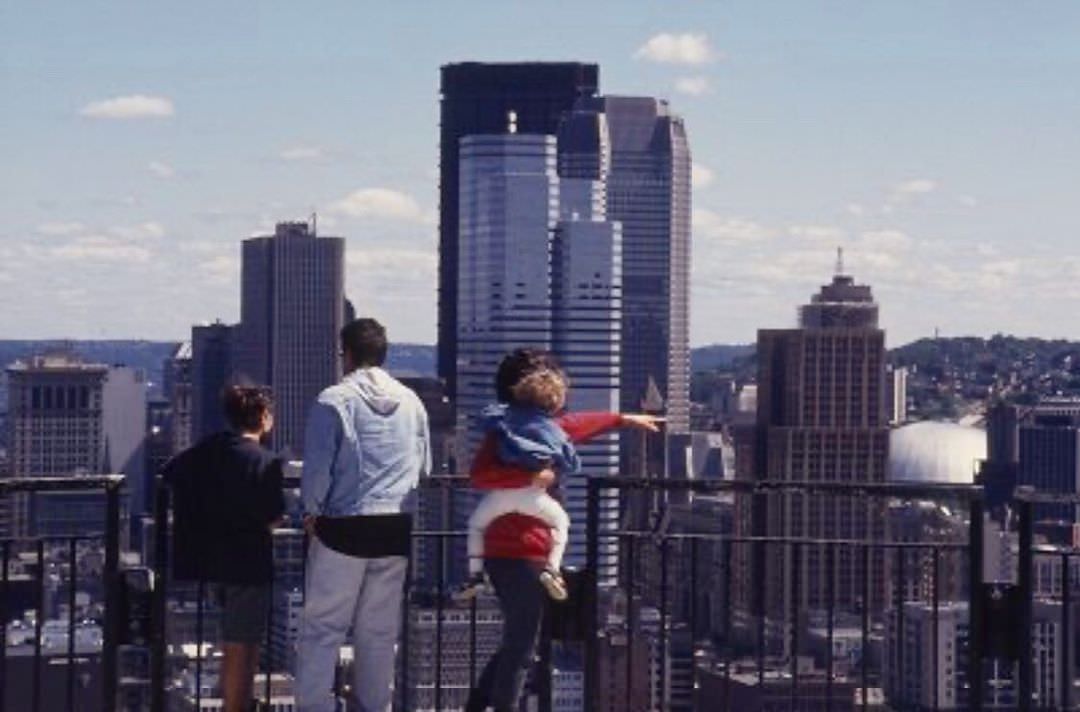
(527, 436)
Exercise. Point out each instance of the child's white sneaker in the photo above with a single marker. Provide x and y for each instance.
(553, 583)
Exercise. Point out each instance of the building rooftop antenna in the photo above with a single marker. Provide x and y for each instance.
(839, 261)
(314, 224)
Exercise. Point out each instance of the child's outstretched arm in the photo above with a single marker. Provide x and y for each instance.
(580, 427)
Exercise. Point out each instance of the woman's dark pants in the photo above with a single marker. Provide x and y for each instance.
(521, 599)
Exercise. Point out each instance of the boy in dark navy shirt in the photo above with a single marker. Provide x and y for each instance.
(228, 497)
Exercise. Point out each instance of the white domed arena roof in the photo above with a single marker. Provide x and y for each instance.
(935, 452)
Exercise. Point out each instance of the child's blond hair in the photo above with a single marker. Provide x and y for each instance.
(544, 389)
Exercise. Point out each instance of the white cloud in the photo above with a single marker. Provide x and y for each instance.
(701, 176)
(885, 241)
(730, 231)
(792, 266)
(826, 235)
(205, 247)
(60, 229)
(302, 153)
(906, 191)
(855, 209)
(670, 48)
(968, 201)
(416, 263)
(915, 186)
(147, 230)
(160, 169)
(135, 106)
(100, 249)
(693, 86)
(142, 231)
(223, 269)
(383, 203)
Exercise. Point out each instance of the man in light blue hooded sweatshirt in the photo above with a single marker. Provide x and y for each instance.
(367, 444)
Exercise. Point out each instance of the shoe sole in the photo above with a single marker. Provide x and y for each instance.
(554, 587)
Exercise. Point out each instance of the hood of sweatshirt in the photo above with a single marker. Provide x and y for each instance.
(378, 389)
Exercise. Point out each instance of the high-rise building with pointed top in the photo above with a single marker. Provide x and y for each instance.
(638, 147)
(822, 417)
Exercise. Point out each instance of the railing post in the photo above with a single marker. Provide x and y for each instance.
(544, 675)
(110, 657)
(592, 585)
(158, 638)
(759, 604)
(1026, 584)
(1066, 636)
(975, 588)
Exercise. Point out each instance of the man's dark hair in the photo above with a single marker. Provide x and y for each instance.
(245, 407)
(365, 341)
(518, 364)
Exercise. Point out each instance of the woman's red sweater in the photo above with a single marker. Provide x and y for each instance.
(516, 536)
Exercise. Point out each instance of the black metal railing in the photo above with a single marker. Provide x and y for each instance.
(1046, 695)
(757, 545)
(689, 619)
(29, 690)
(434, 599)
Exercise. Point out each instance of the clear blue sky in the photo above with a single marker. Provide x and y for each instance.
(937, 142)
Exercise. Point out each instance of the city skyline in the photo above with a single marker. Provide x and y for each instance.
(930, 142)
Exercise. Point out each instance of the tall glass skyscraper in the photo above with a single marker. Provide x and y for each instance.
(638, 148)
(540, 266)
(509, 208)
(292, 308)
(475, 100)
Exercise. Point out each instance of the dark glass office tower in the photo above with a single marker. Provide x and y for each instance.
(292, 308)
(476, 98)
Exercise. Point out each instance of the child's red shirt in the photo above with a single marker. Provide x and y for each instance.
(516, 536)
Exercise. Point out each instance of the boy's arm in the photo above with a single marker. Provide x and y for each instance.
(580, 427)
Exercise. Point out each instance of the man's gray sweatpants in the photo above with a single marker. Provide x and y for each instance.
(343, 592)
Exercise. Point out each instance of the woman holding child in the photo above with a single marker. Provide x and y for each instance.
(519, 531)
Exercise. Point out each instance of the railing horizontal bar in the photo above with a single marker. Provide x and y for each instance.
(1022, 494)
(54, 539)
(431, 482)
(916, 490)
(59, 484)
(781, 540)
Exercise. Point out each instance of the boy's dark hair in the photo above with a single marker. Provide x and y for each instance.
(365, 341)
(245, 407)
(518, 364)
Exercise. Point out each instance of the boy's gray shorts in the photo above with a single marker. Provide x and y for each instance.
(244, 611)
